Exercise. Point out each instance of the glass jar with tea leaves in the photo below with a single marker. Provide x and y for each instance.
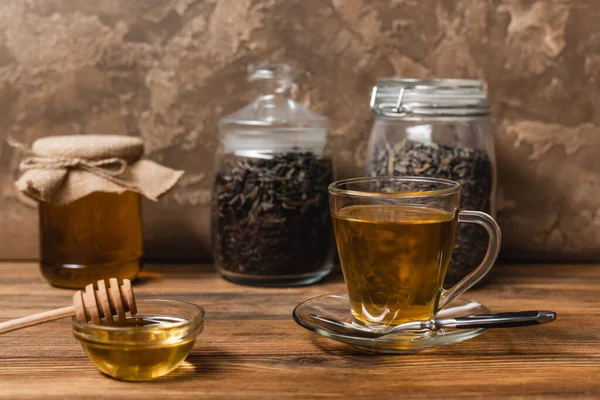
(88, 188)
(438, 128)
(271, 224)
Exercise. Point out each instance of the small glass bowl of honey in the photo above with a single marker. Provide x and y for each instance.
(145, 346)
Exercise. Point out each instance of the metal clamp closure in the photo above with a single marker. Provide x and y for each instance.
(399, 110)
(396, 108)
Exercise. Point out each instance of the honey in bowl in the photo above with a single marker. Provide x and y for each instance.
(145, 346)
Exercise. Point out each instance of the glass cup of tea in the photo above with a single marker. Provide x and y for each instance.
(394, 237)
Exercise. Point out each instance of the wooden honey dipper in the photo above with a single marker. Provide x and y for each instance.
(90, 305)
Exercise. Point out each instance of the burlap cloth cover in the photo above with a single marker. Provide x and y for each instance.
(62, 169)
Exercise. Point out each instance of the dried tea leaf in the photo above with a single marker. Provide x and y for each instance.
(470, 167)
(271, 216)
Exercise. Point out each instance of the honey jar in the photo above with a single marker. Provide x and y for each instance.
(89, 189)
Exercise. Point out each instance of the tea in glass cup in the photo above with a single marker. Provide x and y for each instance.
(395, 238)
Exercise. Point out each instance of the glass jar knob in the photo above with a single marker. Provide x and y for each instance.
(272, 78)
(274, 82)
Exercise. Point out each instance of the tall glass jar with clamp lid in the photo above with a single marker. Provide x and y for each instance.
(438, 128)
(271, 224)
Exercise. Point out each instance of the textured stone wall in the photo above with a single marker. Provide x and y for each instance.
(167, 70)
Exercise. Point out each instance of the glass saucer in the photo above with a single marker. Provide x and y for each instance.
(337, 306)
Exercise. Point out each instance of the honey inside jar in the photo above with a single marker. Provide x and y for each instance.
(96, 237)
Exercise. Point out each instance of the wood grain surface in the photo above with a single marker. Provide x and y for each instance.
(251, 347)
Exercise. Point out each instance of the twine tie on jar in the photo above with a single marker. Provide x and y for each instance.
(108, 168)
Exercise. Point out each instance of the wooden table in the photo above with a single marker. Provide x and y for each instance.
(251, 347)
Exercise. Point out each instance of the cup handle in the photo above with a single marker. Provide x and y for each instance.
(495, 239)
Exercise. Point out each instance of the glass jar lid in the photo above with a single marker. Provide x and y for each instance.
(273, 121)
(396, 98)
(274, 108)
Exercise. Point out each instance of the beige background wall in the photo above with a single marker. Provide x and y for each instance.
(169, 69)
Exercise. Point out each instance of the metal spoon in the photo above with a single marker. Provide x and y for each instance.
(499, 320)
